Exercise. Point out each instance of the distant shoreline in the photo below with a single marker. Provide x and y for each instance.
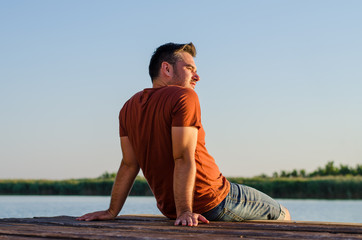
(329, 187)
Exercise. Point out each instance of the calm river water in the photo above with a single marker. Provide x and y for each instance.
(44, 206)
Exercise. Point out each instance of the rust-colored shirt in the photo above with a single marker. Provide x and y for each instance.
(147, 119)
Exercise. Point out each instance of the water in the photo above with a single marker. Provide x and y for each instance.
(48, 206)
(324, 210)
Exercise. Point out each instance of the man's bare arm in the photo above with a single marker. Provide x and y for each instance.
(122, 185)
(184, 141)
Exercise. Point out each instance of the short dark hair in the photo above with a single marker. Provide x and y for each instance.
(168, 53)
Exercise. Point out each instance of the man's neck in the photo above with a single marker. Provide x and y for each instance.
(157, 83)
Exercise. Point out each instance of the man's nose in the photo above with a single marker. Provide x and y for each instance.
(196, 77)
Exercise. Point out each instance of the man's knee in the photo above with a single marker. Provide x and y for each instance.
(287, 214)
(284, 214)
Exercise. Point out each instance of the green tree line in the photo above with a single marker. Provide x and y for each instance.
(98, 186)
(328, 170)
(307, 188)
(322, 186)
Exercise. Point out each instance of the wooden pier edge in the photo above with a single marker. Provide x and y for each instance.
(159, 227)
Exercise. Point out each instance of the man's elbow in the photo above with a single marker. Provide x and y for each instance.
(184, 158)
(130, 165)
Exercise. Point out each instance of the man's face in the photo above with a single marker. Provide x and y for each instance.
(185, 72)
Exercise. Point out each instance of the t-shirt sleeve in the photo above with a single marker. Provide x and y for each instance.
(187, 112)
(122, 122)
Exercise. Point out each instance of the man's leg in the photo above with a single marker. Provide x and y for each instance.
(246, 203)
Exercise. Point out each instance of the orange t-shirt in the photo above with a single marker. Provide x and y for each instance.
(147, 119)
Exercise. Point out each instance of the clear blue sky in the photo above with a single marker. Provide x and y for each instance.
(280, 89)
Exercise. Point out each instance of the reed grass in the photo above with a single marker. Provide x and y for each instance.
(336, 187)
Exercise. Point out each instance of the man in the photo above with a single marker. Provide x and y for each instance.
(161, 133)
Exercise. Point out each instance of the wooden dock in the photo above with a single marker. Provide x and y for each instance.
(158, 227)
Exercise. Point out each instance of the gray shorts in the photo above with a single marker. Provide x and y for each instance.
(245, 203)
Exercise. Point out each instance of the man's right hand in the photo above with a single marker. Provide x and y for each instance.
(190, 219)
(100, 215)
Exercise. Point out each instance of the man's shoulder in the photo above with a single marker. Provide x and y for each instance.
(132, 98)
(172, 92)
(179, 88)
(137, 95)
(181, 91)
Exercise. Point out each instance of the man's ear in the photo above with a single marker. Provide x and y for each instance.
(166, 69)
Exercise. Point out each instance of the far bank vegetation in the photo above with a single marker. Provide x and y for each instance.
(328, 182)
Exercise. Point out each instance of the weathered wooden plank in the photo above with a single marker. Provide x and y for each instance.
(178, 229)
(156, 227)
(156, 220)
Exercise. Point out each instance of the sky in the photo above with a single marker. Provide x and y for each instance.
(280, 89)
